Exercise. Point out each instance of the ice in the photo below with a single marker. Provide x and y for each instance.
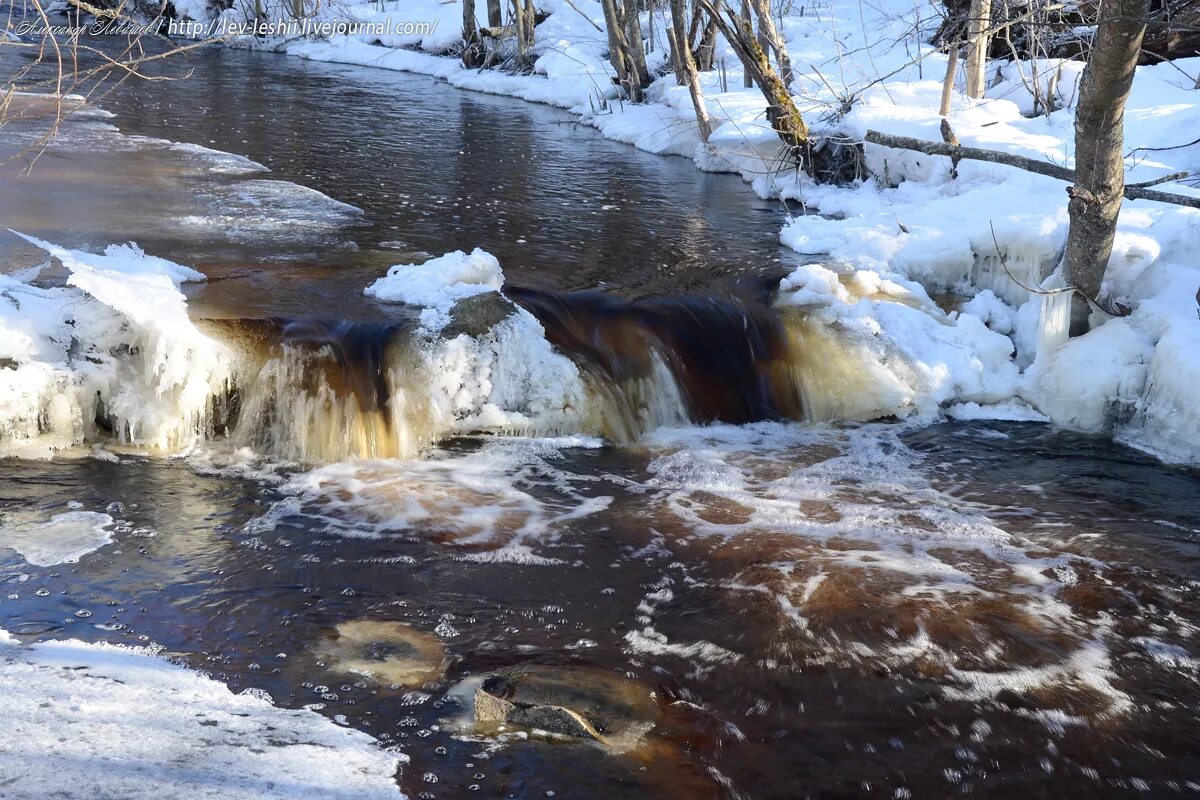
(115, 344)
(61, 539)
(105, 721)
(507, 378)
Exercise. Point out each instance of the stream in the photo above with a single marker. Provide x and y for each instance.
(813, 609)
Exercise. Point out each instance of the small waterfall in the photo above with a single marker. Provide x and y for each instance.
(670, 361)
(838, 377)
(523, 362)
(326, 391)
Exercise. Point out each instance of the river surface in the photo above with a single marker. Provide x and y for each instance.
(992, 609)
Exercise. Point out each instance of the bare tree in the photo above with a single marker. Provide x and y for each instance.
(978, 39)
(631, 70)
(1099, 148)
(747, 76)
(495, 14)
(686, 65)
(518, 18)
(473, 53)
(769, 34)
(782, 113)
(633, 40)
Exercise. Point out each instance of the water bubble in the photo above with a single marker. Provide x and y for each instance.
(42, 592)
(429, 777)
(83, 613)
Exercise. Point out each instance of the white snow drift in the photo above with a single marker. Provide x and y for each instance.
(116, 723)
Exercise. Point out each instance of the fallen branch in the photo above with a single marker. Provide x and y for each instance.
(1132, 191)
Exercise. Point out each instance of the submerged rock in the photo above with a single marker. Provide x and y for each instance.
(389, 652)
(577, 702)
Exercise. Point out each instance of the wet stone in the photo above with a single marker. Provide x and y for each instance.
(575, 702)
(478, 314)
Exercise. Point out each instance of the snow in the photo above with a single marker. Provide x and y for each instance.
(439, 283)
(106, 721)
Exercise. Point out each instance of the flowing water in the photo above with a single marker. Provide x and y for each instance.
(796, 607)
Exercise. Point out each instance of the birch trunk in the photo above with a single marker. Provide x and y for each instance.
(1099, 148)
(978, 38)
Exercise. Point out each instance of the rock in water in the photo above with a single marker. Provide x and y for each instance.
(389, 652)
(489, 708)
(569, 701)
(554, 719)
(478, 314)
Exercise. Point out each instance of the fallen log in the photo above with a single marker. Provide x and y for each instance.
(1133, 191)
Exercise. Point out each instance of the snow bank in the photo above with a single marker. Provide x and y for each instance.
(113, 347)
(100, 720)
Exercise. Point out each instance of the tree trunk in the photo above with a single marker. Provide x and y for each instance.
(518, 17)
(633, 41)
(747, 77)
(1099, 147)
(948, 81)
(707, 47)
(768, 32)
(495, 14)
(677, 34)
(782, 113)
(978, 39)
(530, 22)
(472, 54)
(1134, 191)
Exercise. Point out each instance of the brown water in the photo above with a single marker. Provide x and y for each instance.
(987, 609)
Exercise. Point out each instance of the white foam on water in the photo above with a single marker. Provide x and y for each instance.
(101, 720)
(63, 538)
(495, 504)
(870, 564)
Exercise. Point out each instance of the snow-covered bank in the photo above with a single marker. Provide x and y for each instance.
(104, 721)
(987, 233)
